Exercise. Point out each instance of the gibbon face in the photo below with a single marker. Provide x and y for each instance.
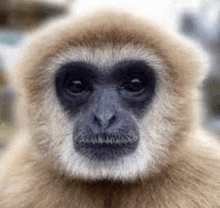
(105, 130)
(107, 96)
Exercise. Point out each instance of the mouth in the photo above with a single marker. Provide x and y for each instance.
(104, 146)
(105, 151)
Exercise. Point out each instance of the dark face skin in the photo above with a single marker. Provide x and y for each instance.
(103, 103)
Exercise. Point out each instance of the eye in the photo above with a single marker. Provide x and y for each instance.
(76, 86)
(134, 85)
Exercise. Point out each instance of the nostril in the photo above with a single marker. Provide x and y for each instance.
(112, 120)
(97, 121)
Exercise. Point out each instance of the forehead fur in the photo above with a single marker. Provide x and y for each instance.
(96, 30)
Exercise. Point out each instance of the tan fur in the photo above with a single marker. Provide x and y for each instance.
(176, 165)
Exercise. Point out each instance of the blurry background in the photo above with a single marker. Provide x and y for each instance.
(197, 19)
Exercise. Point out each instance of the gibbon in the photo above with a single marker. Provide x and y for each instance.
(108, 118)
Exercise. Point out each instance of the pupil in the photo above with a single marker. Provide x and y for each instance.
(135, 85)
(75, 86)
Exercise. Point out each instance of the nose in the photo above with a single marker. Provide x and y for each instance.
(104, 112)
(104, 120)
(104, 117)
